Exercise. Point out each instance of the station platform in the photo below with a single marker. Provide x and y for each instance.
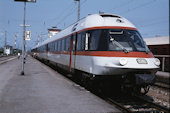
(43, 90)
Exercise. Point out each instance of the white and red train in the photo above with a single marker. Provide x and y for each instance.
(102, 47)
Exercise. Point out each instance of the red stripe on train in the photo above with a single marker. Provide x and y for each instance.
(115, 54)
(107, 27)
(108, 54)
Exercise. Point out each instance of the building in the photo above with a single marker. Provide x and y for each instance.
(8, 50)
(1, 51)
(158, 45)
(53, 31)
(160, 48)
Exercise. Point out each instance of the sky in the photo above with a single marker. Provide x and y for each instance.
(151, 17)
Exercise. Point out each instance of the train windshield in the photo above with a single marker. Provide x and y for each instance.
(125, 40)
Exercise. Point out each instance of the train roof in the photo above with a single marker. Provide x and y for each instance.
(95, 20)
(157, 40)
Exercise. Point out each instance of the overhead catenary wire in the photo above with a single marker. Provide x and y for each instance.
(72, 11)
(144, 35)
(139, 6)
(153, 23)
(121, 5)
(61, 14)
(69, 14)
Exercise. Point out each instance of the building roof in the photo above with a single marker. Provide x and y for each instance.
(157, 40)
(8, 46)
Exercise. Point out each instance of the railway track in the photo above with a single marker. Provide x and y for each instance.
(6, 59)
(162, 85)
(137, 104)
(155, 105)
(163, 81)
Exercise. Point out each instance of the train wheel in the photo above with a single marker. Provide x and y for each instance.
(145, 89)
(141, 90)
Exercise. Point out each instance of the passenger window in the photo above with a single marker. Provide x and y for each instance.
(74, 42)
(94, 39)
(83, 36)
(59, 45)
(49, 46)
(53, 46)
(56, 46)
(63, 44)
(68, 42)
(79, 42)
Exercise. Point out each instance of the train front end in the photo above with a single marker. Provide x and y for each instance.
(122, 55)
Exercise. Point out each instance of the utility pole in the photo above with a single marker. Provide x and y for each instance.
(24, 29)
(5, 40)
(15, 44)
(78, 17)
(38, 41)
(23, 41)
(15, 41)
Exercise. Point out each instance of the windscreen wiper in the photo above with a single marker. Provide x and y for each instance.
(146, 50)
(118, 44)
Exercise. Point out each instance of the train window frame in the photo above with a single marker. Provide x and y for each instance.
(47, 48)
(74, 39)
(56, 46)
(92, 43)
(129, 42)
(63, 45)
(87, 41)
(52, 46)
(79, 42)
(83, 37)
(68, 43)
(59, 45)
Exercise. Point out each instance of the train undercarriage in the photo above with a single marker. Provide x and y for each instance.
(137, 84)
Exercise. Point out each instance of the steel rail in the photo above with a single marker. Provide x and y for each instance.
(121, 107)
(155, 105)
(162, 86)
(7, 59)
(150, 104)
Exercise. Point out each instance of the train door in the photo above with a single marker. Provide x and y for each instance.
(73, 52)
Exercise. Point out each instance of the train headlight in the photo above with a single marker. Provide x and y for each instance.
(123, 61)
(157, 62)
